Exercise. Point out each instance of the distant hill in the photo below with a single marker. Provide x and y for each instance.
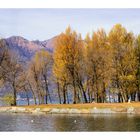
(25, 48)
(47, 44)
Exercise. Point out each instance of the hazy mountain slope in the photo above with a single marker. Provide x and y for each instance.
(47, 44)
(25, 48)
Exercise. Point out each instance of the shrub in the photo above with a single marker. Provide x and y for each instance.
(8, 99)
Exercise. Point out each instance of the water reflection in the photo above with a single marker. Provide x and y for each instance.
(73, 122)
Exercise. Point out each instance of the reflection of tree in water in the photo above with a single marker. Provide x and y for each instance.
(112, 122)
(121, 122)
(133, 122)
(70, 122)
(96, 122)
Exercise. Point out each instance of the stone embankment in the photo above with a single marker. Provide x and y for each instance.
(72, 109)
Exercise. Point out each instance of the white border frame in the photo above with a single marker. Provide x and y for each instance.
(69, 3)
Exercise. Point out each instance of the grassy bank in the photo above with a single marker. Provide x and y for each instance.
(76, 108)
(82, 106)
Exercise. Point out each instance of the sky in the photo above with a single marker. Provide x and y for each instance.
(42, 24)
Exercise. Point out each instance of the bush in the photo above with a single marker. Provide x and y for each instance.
(8, 99)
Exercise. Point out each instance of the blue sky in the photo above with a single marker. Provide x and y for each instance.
(46, 23)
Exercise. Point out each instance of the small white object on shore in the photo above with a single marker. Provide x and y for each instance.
(129, 100)
(74, 121)
(32, 121)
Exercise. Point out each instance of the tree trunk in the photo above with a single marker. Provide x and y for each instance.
(97, 94)
(27, 97)
(58, 90)
(127, 98)
(50, 97)
(119, 97)
(81, 95)
(42, 99)
(99, 99)
(123, 98)
(46, 98)
(83, 91)
(138, 95)
(34, 98)
(47, 92)
(66, 91)
(75, 94)
(38, 89)
(84, 94)
(67, 96)
(15, 96)
(109, 98)
(89, 96)
(133, 96)
(46, 89)
(32, 93)
(39, 102)
(103, 93)
(78, 97)
(28, 100)
(64, 95)
(138, 89)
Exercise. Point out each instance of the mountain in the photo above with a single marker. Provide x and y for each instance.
(47, 44)
(25, 48)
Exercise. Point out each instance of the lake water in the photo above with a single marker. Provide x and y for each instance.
(73, 122)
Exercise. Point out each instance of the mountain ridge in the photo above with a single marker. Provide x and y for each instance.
(26, 48)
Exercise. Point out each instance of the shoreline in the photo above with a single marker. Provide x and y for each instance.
(92, 108)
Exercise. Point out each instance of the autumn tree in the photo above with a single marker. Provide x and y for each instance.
(4, 56)
(99, 64)
(43, 65)
(29, 84)
(137, 53)
(39, 73)
(34, 81)
(124, 61)
(11, 72)
(68, 63)
(25, 86)
(59, 69)
(88, 69)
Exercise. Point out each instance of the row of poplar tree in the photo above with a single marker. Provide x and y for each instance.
(79, 70)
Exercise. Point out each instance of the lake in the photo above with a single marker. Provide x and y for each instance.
(69, 122)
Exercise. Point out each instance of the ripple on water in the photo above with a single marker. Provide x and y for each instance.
(69, 122)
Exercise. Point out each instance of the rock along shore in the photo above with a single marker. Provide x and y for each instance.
(132, 108)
